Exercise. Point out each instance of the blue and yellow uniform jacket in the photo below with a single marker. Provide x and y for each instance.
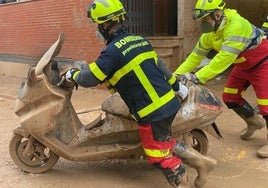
(130, 65)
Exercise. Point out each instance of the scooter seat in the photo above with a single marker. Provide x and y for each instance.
(115, 105)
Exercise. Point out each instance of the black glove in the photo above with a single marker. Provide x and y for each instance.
(189, 77)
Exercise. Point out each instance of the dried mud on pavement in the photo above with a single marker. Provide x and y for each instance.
(237, 167)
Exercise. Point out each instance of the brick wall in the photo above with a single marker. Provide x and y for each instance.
(29, 28)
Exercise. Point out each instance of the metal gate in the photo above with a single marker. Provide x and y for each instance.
(140, 16)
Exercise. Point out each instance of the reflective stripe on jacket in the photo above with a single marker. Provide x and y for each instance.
(234, 36)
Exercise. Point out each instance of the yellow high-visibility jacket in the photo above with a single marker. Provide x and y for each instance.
(235, 35)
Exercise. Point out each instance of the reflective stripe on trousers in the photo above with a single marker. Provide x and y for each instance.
(158, 152)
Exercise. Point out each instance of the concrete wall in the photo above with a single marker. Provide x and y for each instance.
(13, 69)
(188, 29)
(254, 10)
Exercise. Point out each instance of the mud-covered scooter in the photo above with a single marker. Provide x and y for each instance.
(50, 128)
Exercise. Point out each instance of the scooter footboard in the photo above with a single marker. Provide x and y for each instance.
(96, 152)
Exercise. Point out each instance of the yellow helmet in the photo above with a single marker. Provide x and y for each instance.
(206, 7)
(101, 11)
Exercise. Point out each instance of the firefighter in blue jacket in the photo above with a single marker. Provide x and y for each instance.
(131, 67)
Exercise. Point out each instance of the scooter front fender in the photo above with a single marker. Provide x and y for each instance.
(213, 130)
(21, 131)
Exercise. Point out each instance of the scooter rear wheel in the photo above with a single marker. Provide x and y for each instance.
(39, 160)
(200, 141)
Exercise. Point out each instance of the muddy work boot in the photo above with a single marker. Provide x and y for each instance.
(203, 164)
(177, 177)
(263, 151)
(254, 122)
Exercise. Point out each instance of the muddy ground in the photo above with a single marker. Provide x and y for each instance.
(237, 167)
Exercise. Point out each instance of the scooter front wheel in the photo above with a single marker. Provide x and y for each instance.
(199, 141)
(38, 160)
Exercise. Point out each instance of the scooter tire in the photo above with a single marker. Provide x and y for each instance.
(200, 141)
(32, 164)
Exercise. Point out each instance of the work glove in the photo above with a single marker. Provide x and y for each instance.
(182, 92)
(69, 75)
(189, 77)
(76, 66)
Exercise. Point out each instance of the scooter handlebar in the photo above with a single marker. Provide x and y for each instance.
(64, 82)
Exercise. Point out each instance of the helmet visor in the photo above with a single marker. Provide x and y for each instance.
(200, 13)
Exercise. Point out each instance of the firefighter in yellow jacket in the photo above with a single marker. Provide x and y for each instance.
(238, 43)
